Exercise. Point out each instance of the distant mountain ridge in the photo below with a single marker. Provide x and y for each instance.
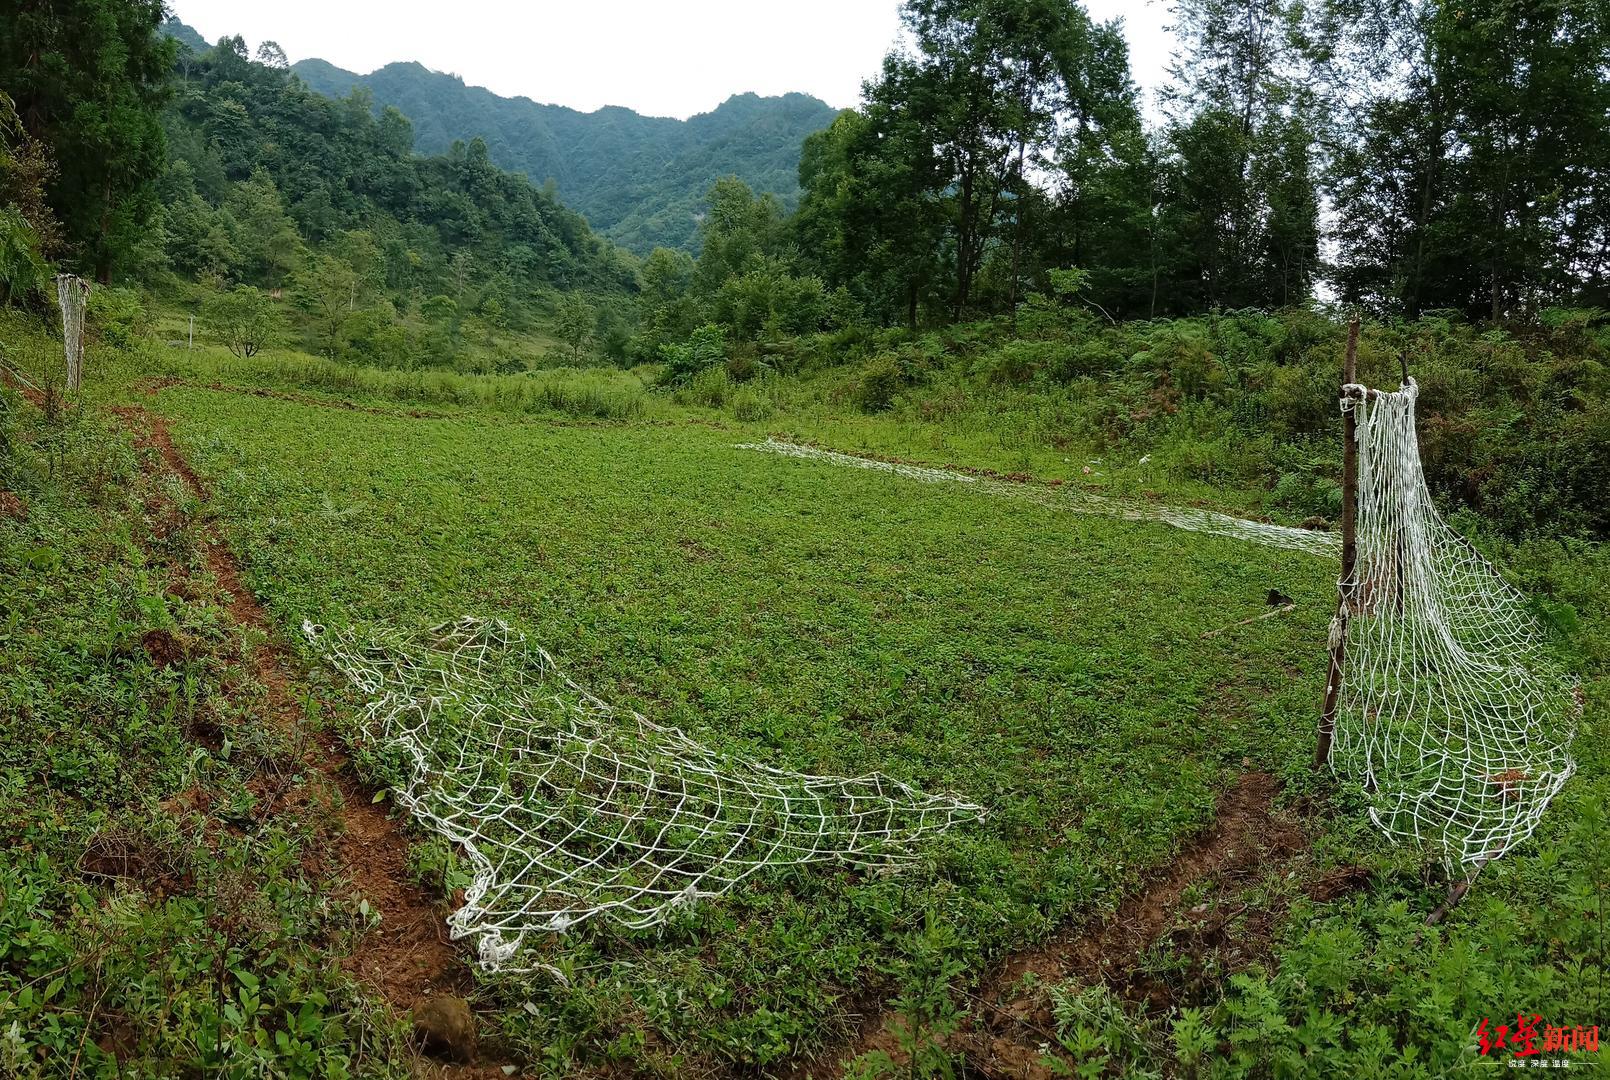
(184, 34)
(640, 180)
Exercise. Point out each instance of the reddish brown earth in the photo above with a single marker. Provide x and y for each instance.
(163, 648)
(1010, 1025)
(408, 957)
(31, 393)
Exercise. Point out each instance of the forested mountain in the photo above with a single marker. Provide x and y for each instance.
(185, 35)
(640, 180)
(336, 166)
(388, 255)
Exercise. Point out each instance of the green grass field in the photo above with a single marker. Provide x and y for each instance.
(1048, 666)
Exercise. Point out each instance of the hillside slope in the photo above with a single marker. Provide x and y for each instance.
(640, 180)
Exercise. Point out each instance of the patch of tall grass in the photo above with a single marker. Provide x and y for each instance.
(583, 393)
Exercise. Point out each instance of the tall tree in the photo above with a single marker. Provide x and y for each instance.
(980, 85)
(1242, 178)
(264, 234)
(667, 312)
(89, 78)
(738, 228)
(1474, 176)
(1103, 178)
(26, 224)
(962, 129)
(870, 219)
(574, 323)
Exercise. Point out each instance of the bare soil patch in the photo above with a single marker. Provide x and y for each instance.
(1011, 1023)
(31, 393)
(408, 957)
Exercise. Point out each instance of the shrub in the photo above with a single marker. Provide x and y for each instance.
(748, 405)
(1018, 361)
(709, 389)
(118, 316)
(1308, 493)
(705, 348)
(376, 336)
(22, 268)
(243, 320)
(878, 385)
(744, 365)
(1183, 352)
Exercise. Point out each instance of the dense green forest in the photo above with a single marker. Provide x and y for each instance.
(640, 180)
(393, 255)
(251, 185)
(1000, 144)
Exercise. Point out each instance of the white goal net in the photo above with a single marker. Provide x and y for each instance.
(567, 807)
(72, 293)
(1452, 714)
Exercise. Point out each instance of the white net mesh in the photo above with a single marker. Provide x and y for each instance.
(568, 808)
(72, 293)
(1452, 716)
(1081, 502)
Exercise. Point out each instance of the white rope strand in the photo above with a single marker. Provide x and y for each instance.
(72, 293)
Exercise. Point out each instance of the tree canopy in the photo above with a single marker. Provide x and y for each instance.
(89, 79)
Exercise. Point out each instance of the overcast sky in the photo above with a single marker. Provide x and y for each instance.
(660, 57)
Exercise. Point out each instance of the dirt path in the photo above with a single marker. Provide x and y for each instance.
(1011, 1018)
(408, 957)
(33, 394)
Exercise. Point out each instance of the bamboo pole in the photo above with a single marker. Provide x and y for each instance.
(1344, 589)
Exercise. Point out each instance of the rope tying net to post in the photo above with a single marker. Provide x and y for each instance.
(1452, 715)
(567, 807)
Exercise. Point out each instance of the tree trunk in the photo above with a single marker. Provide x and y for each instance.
(103, 249)
(1345, 584)
(1018, 207)
(964, 245)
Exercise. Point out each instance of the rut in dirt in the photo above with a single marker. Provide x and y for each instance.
(408, 958)
(1010, 1026)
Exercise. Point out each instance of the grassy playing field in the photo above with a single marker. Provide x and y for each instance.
(1083, 679)
(1048, 666)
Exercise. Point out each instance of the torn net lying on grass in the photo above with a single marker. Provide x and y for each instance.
(1451, 713)
(1082, 502)
(567, 807)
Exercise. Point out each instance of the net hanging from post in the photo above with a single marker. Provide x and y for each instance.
(567, 807)
(72, 293)
(1452, 715)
